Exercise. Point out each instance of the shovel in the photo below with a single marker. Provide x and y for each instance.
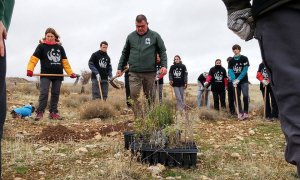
(59, 75)
(112, 83)
(236, 101)
(265, 101)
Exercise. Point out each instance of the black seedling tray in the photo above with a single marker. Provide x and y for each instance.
(183, 156)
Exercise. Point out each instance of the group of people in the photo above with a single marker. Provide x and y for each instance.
(272, 22)
(236, 83)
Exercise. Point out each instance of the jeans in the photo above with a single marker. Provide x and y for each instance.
(199, 98)
(95, 89)
(179, 94)
(244, 89)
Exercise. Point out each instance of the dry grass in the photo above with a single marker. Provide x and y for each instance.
(229, 149)
(97, 109)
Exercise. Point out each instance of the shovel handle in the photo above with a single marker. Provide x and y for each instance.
(59, 75)
(113, 78)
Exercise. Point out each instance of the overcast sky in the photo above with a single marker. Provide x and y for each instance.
(195, 30)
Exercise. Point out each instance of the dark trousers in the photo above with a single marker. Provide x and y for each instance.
(2, 101)
(127, 89)
(278, 35)
(230, 95)
(44, 93)
(271, 105)
(243, 88)
(219, 96)
(96, 90)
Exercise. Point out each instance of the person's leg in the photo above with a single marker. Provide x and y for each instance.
(95, 89)
(207, 100)
(238, 89)
(2, 101)
(44, 92)
(148, 86)
(182, 105)
(222, 99)
(135, 84)
(55, 92)
(127, 89)
(104, 88)
(278, 35)
(160, 92)
(216, 100)
(178, 97)
(231, 98)
(245, 92)
(199, 97)
(274, 113)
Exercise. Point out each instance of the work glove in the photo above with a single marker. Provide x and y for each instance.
(171, 83)
(235, 82)
(29, 73)
(241, 23)
(73, 75)
(265, 82)
(163, 71)
(98, 77)
(205, 84)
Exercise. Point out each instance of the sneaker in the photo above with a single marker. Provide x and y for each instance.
(39, 115)
(240, 116)
(55, 116)
(245, 115)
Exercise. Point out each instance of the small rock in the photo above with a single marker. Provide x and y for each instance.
(91, 146)
(81, 150)
(101, 172)
(41, 173)
(61, 154)
(236, 155)
(240, 138)
(98, 137)
(177, 177)
(78, 161)
(117, 155)
(112, 134)
(41, 150)
(202, 177)
(251, 132)
(170, 178)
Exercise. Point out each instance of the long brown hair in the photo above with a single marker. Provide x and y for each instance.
(52, 31)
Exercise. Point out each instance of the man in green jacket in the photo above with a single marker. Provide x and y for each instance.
(6, 8)
(140, 52)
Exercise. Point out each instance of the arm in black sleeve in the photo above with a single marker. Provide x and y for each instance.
(235, 5)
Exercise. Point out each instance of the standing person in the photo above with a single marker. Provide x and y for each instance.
(263, 77)
(100, 66)
(140, 52)
(230, 91)
(217, 76)
(201, 89)
(178, 77)
(279, 41)
(6, 10)
(159, 81)
(53, 61)
(238, 72)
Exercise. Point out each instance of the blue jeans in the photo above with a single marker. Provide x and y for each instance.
(179, 94)
(199, 97)
(96, 91)
(244, 89)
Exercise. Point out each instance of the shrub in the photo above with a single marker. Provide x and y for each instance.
(98, 109)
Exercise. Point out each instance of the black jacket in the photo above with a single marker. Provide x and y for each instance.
(258, 6)
(99, 63)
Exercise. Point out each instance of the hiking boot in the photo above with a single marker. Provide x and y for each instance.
(55, 116)
(39, 115)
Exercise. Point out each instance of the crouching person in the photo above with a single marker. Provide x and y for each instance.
(23, 112)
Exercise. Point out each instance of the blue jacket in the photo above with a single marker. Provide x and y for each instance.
(24, 111)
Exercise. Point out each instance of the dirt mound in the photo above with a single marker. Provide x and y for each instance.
(61, 133)
(58, 133)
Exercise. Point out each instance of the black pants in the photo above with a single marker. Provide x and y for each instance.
(271, 105)
(44, 91)
(219, 96)
(230, 95)
(278, 35)
(2, 101)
